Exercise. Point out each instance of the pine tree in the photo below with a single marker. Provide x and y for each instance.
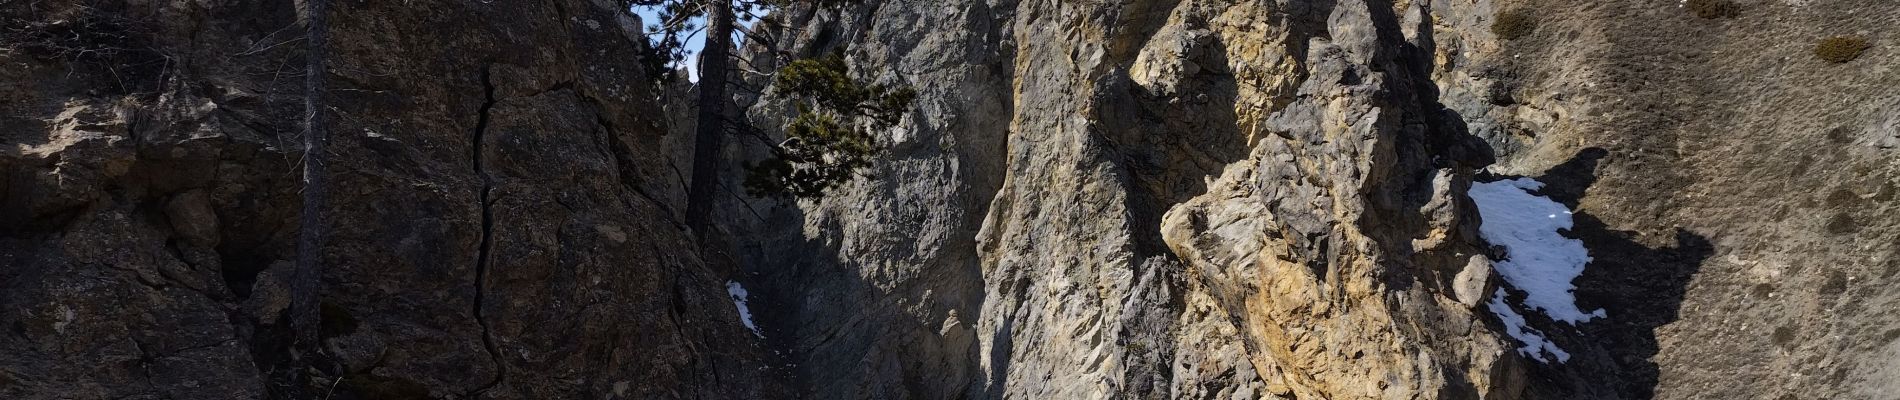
(828, 143)
(305, 277)
(832, 139)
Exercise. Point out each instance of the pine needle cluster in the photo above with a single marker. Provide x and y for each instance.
(832, 139)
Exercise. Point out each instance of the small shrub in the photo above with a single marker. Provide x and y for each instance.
(1505, 80)
(1843, 198)
(1784, 336)
(1841, 49)
(1712, 9)
(1842, 224)
(1513, 24)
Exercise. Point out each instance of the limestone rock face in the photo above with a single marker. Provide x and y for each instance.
(1339, 241)
(1317, 247)
(490, 229)
(876, 291)
(1266, 199)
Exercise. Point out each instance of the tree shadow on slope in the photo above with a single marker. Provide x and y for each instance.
(1640, 281)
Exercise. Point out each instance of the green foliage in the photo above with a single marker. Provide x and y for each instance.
(1712, 9)
(1514, 24)
(831, 139)
(826, 82)
(680, 20)
(1841, 49)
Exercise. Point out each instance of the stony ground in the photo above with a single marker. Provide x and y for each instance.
(1738, 191)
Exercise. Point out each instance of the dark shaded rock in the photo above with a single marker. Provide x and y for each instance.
(489, 232)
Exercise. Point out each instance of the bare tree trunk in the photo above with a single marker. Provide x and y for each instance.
(304, 280)
(714, 63)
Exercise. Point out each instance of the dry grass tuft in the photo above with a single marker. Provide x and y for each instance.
(1513, 24)
(1841, 49)
(1713, 9)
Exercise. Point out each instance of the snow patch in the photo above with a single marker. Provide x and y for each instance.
(1539, 261)
(739, 294)
(1535, 344)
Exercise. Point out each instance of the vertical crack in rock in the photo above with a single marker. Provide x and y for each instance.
(624, 161)
(172, 199)
(478, 138)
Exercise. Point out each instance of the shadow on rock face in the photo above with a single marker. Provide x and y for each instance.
(1639, 282)
(835, 333)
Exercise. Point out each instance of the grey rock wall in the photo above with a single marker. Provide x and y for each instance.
(1075, 285)
(1127, 199)
(1187, 199)
(493, 229)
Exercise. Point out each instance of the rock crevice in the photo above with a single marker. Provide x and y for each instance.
(479, 138)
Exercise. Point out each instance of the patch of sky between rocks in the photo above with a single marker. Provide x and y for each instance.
(694, 41)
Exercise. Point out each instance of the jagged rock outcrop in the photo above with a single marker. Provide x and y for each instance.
(1128, 199)
(1117, 113)
(1344, 242)
(496, 227)
(1198, 199)
(876, 292)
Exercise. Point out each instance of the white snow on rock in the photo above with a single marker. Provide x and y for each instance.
(1540, 262)
(1535, 345)
(738, 294)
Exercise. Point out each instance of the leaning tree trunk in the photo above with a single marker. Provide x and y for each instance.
(304, 282)
(713, 65)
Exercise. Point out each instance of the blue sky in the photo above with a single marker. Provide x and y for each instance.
(651, 16)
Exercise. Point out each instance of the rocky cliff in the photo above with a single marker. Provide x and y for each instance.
(1269, 199)
(1132, 199)
(1316, 234)
(497, 225)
